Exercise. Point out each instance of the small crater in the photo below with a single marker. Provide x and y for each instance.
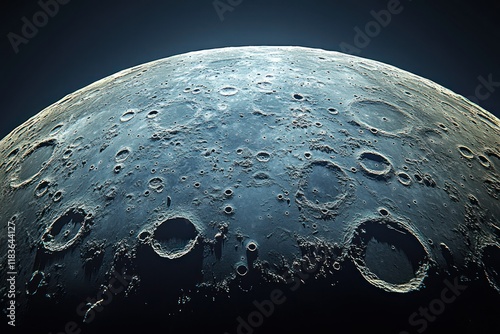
(383, 212)
(404, 178)
(465, 152)
(153, 114)
(144, 236)
(228, 209)
(265, 86)
(13, 153)
(36, 282)
(111, 194)
(156, 184)
(67, 154)
(65, 230)
(375, 165)
(77, 142)
(241, 269)
(42, 188)
(298, 97)
(442, 126)
(58, 196)
(333, 111)
(56, 130)
(263, 156)
(252, 246)
(485, 162)
(127, 116)
(118, 168)
(123, 154)
(228, 91)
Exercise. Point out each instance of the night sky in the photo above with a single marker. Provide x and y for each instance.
(453, 44)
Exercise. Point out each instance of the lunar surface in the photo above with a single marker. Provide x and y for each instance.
(253, 189)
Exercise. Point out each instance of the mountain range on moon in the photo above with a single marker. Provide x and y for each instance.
(207, 182)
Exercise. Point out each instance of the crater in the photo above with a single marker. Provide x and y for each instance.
(228, 91)
(404, 178)
(241, 269)
(127, 116)
(375, 165)
(465, 152)
(67, 154)
(122, 154)
(333, 111)
(156, 184)
(323, 186)
(35, 161)
(389, 255)
(386, 117)
(174, 237)
(36, 282)
(485, 162)
(42, 188)
(13, 153)
(55, 130)
(65, 230)
(229, 210)
(152, 114)
(263, 156)
(265, 86)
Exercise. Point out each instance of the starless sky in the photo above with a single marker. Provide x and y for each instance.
(452, 43)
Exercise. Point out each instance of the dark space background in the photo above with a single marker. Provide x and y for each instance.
(451, 43)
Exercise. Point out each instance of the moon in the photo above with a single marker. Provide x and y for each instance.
(233, 184)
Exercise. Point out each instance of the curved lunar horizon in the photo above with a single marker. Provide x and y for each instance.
(227, 172)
